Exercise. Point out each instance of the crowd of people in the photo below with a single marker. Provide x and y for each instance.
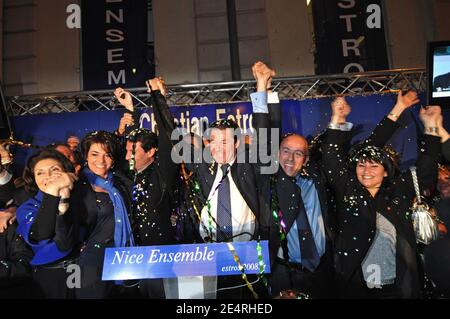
(337, 216)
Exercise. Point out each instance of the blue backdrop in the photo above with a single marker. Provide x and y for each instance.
(307, 117)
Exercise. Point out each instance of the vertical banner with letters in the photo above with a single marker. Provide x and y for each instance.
(114, 44)
(349, 36)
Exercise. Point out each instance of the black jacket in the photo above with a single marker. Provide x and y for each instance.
(80, 226)
(252, 185)
(357, 209)
(97, 232)
(155, 197)
(62, 229)
(288, 192)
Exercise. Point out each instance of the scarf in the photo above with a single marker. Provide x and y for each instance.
(122, 230)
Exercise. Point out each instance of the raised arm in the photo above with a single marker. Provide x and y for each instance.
(130, 119)
(265, 117)
(429, 147)
(386, 128)
(445, 138)
(166, 125)
(164, 119)
(263, 76)
(335, 145)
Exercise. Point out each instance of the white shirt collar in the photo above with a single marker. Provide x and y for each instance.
(145, 167)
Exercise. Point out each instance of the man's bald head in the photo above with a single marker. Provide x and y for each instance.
(293, 154)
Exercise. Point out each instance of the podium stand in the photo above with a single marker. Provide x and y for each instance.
(189, 271)
(191, 287)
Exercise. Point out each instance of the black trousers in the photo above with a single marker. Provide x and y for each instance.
(152, 289)
(51, 283)
(356, 288)
(92, 287)
(319, 284)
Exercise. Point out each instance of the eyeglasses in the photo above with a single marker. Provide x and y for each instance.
(296, 153)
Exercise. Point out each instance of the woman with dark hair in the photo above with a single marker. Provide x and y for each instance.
(13, 192)
(48, 221)
(107, 202)
(375, 252)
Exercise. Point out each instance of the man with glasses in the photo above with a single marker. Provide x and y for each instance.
(302, 228)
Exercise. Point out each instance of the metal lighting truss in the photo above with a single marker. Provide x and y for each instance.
(304, 87)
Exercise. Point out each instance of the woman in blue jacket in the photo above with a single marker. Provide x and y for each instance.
(48, 222)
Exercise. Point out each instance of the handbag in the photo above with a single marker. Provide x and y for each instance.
(424, 222)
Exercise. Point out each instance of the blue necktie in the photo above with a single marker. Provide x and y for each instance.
(308, 250)
(224, 208)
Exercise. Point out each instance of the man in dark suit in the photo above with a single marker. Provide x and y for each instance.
(232, 190)
(155, 176)
(301, 234)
